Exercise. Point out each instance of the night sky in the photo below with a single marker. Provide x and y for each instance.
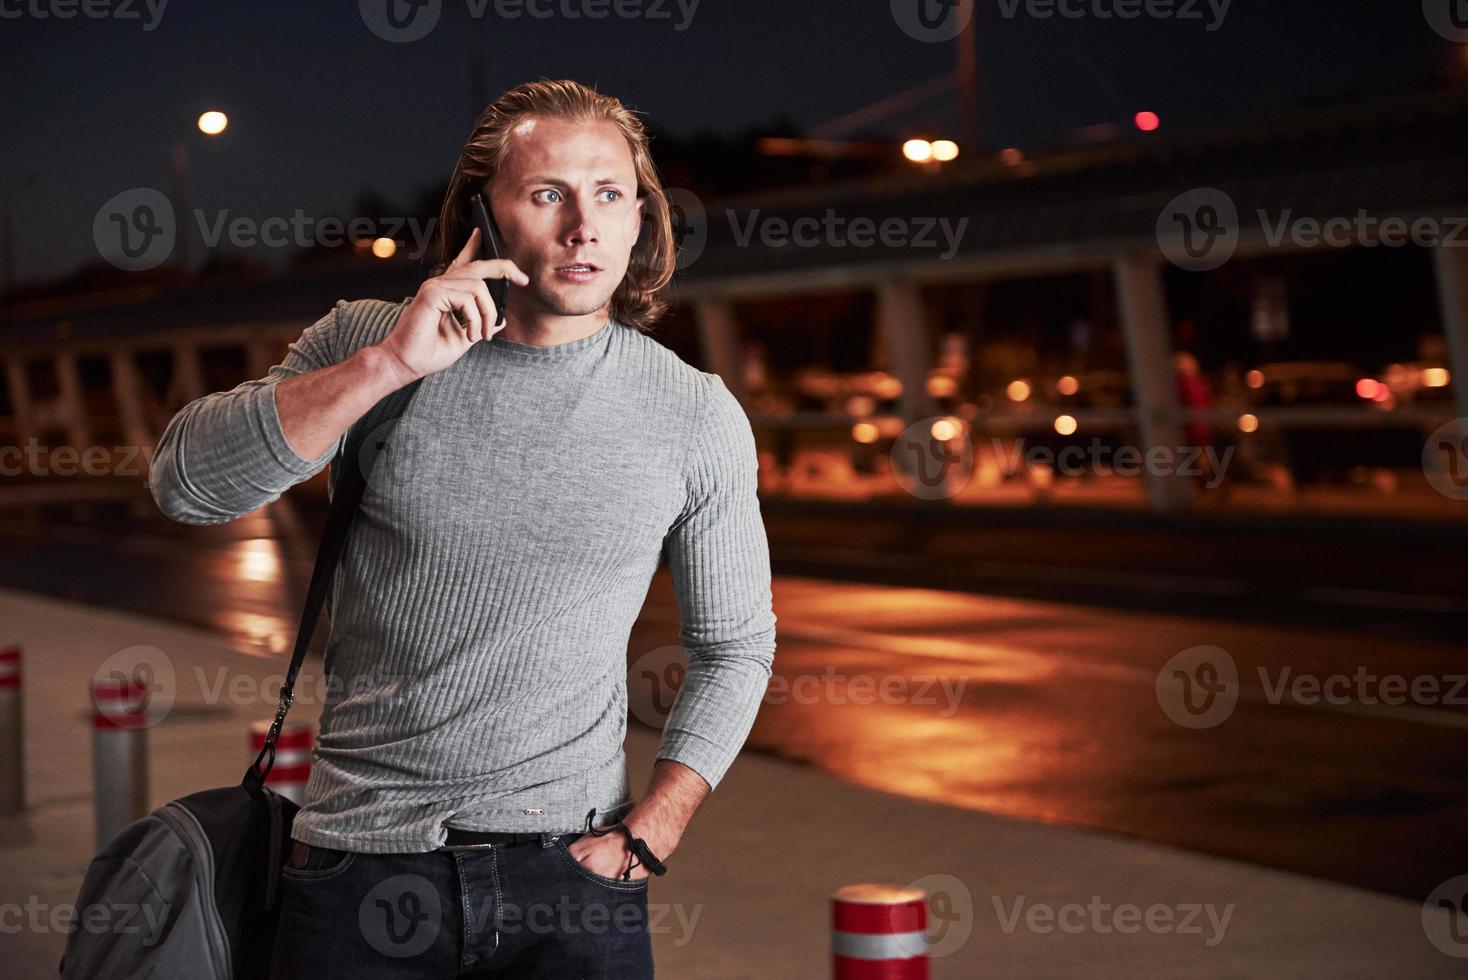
(322, 108)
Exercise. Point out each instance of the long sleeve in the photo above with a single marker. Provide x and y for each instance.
(720, 561)
(225, 455)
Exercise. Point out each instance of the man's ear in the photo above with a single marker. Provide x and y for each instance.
(641, 218)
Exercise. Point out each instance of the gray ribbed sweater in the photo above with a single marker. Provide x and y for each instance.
(503, 550)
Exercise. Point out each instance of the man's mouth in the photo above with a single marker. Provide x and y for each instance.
(578, 271)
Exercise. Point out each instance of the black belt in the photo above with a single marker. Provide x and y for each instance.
(481, 838)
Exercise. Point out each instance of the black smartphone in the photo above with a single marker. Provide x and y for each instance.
(492, 246)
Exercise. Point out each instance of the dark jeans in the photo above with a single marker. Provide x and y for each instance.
(512, 910)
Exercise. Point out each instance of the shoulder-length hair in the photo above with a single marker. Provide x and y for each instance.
(638, 300)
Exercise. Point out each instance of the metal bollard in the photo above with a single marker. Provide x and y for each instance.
(12, 733)
(292, 758)
(878, 932)
(119, 753)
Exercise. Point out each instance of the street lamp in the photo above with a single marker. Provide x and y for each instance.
(210, 123)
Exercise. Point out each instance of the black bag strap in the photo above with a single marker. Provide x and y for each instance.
(349, 482)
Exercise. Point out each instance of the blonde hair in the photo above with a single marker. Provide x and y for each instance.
(638, 300)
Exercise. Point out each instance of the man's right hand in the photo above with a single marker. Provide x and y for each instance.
(428, 337)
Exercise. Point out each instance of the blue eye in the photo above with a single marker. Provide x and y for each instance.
(616, 194)
(551, 191)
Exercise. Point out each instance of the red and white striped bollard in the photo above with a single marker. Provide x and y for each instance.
(12, 733)
(878, 932)
(119, 752)
(292, 758)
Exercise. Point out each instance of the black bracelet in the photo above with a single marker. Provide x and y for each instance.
(641, 853)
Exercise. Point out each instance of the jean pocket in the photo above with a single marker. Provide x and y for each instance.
(321, 862)
(562, 846)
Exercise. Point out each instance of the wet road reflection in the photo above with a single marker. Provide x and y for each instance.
(1035, 710)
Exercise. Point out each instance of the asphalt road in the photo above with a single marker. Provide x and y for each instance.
(1315, 761)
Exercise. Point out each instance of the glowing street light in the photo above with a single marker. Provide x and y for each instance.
(213, 122)
(945, 150)
(384, 248)
(1148, 122)
(918, 151)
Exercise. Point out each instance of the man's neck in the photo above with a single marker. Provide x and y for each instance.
(550, 331)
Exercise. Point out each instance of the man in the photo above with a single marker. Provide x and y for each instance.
(473, 733)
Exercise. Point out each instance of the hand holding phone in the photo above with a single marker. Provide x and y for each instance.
(492, 247)
(452, 311)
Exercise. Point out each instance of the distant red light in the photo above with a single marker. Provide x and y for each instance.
(1369, 388)
(1148, 122)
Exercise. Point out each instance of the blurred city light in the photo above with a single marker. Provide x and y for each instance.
(1148, 122)
(1065, 425)
(1248, 423)
(384, 248)
(945, 150)
(1067, 385)
(213, 122)
(918, 151)
(1018, 391)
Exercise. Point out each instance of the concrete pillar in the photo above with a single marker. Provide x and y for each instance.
(127, 390)
(1451, 265)
(718, 336)
(22, 409)
(72, 401)
(903, 321)
(1144, 323)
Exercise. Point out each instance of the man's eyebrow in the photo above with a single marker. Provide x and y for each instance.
(564, 183)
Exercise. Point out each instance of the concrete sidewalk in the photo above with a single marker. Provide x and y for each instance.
(747, 893)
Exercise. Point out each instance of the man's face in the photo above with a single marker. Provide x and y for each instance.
(566, 201)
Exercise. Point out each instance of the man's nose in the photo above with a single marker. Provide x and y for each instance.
(582, 231)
